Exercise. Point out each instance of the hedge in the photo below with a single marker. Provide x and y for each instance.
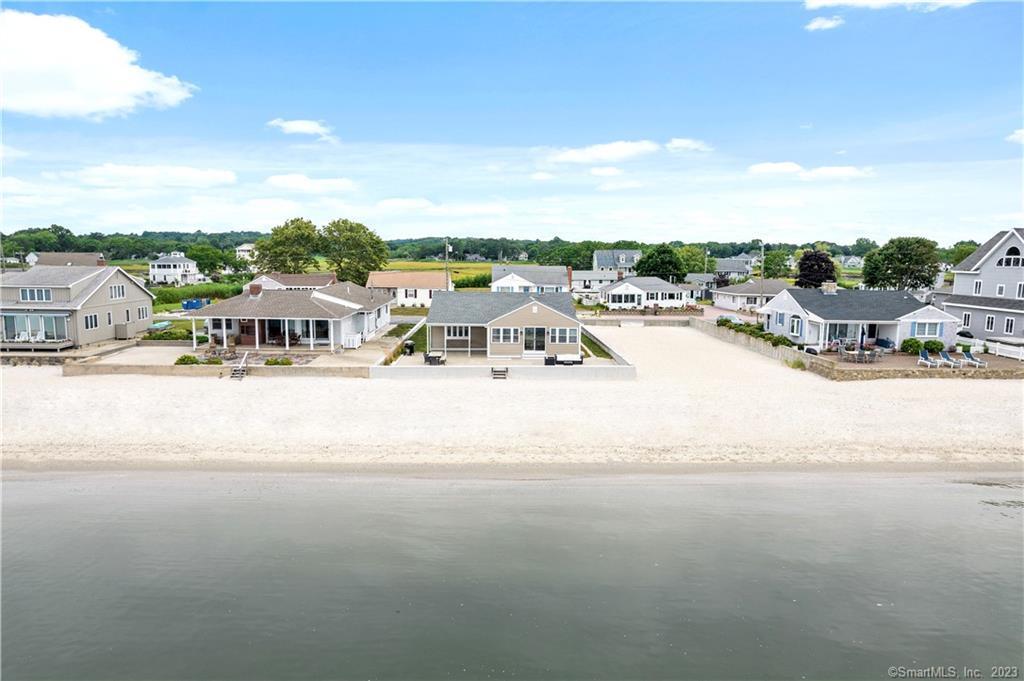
(482, 280)
(171, 294)
(911, 346)
(757, 332)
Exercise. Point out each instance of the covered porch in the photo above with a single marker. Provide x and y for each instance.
(36, 331)
(287, 334)
(465, 339)
(835, 334)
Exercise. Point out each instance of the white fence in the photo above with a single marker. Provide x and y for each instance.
(1003, 350)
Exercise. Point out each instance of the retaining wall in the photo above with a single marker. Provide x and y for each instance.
(564, 373)
(218, 370)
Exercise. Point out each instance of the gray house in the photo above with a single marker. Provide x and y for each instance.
(988, 288)
(825, 317)
(733, 268)
(616, 260)
(53, 307)
(530, 279)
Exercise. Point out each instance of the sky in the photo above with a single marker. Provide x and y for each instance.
(831, 119)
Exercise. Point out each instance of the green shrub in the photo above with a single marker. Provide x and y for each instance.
(200, 338)
(934, 345)
(482, 280)
(964, 347)
(723, 322)
(187, 359)
(278, 362)
(911, 346)
(776, 341)
(796, 364)
(171, 294)
(169, 335)
(213, 360)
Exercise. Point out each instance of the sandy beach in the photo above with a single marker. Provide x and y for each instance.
(698, 402)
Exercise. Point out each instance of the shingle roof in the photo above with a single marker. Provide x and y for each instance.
(431, 279)
(699, 278)
(551, 275)
(974, 259)
(731, 265)
(1014, 304)
(646, 284)
(452, 307)
(354, 293)
(595, 274)
(173, 258)
(50, 275)
(610, 257)
(74, 259)
(856, 305)
(302, 279)
(278, 304)
(754, 287)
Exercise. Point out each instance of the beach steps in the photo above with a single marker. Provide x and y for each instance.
(239, 371)
(499, 373)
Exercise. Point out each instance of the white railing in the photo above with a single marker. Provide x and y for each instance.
(1003, 350)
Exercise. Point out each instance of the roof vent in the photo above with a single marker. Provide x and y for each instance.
(829, 288)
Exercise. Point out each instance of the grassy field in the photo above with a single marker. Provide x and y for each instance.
(140, 268)
(593, 348)
(409, 311)
(399, 330)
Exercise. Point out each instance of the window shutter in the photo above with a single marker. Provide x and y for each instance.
(913, 328)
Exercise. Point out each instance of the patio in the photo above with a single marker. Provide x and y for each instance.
(901, 360)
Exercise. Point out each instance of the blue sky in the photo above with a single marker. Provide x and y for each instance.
(527, 120)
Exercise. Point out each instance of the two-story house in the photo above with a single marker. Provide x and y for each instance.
(616, 260)
(530, 278)
(174, 269)
(988, 288)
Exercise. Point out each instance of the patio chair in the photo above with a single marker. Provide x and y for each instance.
(946, 359)
(40, 337)
(970, 359)
(923, 358)
(22, 337)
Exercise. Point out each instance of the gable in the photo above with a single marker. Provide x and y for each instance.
(533, 313)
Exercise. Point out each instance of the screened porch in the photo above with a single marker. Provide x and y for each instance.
(34, 331)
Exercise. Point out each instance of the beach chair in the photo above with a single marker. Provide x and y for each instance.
(22, 337)
(923, 358)
(946, 359)
(40, 337)
(972, 361)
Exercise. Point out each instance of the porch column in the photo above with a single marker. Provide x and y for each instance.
(330, 333)
(284, 325)
(224, 331)
(193, 334)
(310, 334)
(257, 333)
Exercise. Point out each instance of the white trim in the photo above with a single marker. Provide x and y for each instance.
(990, 318)
(985, 307)
(990, 252)
(978, 287)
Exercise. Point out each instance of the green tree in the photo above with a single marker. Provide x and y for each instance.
(353, 250)
(774, 266)
(863, 246)
(661, 261)
(902, 263)
(291, 247)
(815, 267)
(960, 250)
(693, 259)
(208, 259)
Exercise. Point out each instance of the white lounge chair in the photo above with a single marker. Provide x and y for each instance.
(22, 337)
(970, 359)
(923, 358)
(40, 337)
(946, 359)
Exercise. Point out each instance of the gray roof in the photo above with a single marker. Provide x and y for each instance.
(610, 257)
(731, 265)
(1014, 304)
(174, 258)
(368, 299)
(974, 259)
(595, 274)
(551, 275)
(856, 305)
(452, 307)
(744, 256)
(699, 278)
(753, 287)
(646, 284)
(68, 258)
(295, 304)
(53, 276)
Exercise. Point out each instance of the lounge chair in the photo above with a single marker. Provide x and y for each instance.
(923, 358)
(22, 337)
(946, 359)
(970, 359)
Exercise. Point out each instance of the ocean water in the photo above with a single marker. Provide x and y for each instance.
(320, 576)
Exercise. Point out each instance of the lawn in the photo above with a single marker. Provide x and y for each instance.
(399, 330)
(398, 310)
(138, 267)
(593, 348)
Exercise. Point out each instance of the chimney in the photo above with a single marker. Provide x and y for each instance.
(618, 275)
(568, 269)
(255, 290)
(828, 288)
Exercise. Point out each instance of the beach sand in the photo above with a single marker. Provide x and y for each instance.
(698, 403)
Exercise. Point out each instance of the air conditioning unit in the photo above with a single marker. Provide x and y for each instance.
(121, 331)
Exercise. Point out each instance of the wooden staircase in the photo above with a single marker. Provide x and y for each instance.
(239, 371)
(499, 373)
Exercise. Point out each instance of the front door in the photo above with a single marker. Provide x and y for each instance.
(534, 336)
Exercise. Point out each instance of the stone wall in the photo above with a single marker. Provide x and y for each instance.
(214, 370)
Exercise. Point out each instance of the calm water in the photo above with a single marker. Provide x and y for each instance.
(275, 576)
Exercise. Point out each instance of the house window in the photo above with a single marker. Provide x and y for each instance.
(117, 292)
(91, 321)
(1020, 289)
(143, 313)
(795, 326)
(652, 296)
(967, 319)
(1008, 326)
(990, 322)
(977, 287)
(927, 330)
(456, 332)
(110, 318)
(127, 315)
(504, 335)
(1011, 258)
(751, 300)
(36, 295)
(563, 335)
(780, 318)
(410, 293)
(1000, 290)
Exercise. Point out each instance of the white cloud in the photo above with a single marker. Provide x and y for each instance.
(925, 5)
(781, 168)
(60, 66)
(605, 171)
(150, 177)
(612, 152)
(419, 205)
(824, 23)
(297, 182)
(404, 204)
(1016, 136)
(687, 144)
(300, 126)
(618, 186)
(541, 176)
(9, 153)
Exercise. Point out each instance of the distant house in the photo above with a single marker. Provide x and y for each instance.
(637, 293)
(616, 260)
(586, 283)
(174, 269)
(474, 257)
(530, 279)
(522, 256)
(60, 258)
(752, 259)
(704, 280)
(283, 281)
(733, 268)
(825, 317)
(341, 315)
(505, 325)
(988, 288)
(749, 295)
(53, 307)
(410, 289)
(851, 262)
(245, 251)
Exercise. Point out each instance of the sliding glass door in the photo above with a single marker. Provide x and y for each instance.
(534, 337)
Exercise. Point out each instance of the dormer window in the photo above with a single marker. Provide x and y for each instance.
(36, 295)
(1011, 258)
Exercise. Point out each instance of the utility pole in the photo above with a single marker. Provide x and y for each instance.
(707, 252)
(447, 275)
